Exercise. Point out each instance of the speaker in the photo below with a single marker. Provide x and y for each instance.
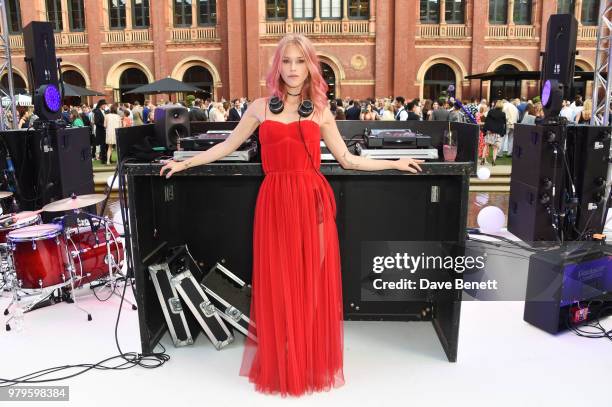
(559, 59)
(49, 165)
(563, 282)
(588, 148)
(171, 124)
(536, 182)
(39, 44)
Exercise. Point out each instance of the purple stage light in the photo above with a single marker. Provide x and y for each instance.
(546, 89)
(52, 98)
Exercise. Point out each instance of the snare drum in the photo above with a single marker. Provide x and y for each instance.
(39, 256)
(9, 224)
(92, 255)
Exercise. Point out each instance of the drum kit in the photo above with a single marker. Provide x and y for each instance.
(49, 261)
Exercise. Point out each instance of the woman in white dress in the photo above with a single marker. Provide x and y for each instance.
(112, 121)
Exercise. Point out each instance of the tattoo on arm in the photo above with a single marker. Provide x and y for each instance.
(348, 158)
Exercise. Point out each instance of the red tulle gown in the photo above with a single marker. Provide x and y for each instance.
(297, 289)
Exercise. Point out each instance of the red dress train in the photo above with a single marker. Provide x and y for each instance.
(297, 290)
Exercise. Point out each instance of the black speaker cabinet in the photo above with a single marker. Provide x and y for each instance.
(39, 44)
(536, 181)
(49, 165)
(588, 148)
(171, 124)
(571, 276)
(560, 53)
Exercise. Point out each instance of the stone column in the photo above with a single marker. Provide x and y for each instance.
(442, 12)
(578, 10)
(128, 15)
(94, 25)
(64, 14)
(385, 24)
(194, 13)
(253, 49)
(479, 14)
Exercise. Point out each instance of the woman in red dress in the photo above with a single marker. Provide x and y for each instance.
(296, 287)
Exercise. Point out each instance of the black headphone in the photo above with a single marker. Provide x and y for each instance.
(276, 106)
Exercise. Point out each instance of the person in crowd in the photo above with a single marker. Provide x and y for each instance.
(442, 113)
(112, 121)
(530, 114)
(495, 129)
(434, 106)
(584, 116)
(235, 112)
(411, 108)
(400, 109)
(539, 113)
(24, 121)
(75, 118)
(567, 111)
(353, 112)
(480, 117)
(456, 115)
(137, 117)
(99, 151)
(197, 113)
(226, 107)
(146, 111)
(217, 114)
(368, 113)
(512, 114)
(125, 120)
(427, 106)
(388, 113)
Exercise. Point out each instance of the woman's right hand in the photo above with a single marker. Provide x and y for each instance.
(172, 167)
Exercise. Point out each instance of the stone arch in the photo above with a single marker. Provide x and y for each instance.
(510, 60)
(336, 66)
(115, 71)
(21, 74)
(585, 64)
(456, 65)
(73, 66)
(182, 66)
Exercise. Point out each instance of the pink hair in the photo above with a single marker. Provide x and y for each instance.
(314, 87)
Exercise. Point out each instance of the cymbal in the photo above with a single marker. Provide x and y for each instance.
(5, 194)
(74, 202)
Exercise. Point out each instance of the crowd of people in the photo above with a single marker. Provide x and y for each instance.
(497, 118)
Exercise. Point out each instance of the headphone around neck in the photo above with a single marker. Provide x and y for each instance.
(276, 106)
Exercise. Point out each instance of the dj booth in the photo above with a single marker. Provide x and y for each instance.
(210, 208)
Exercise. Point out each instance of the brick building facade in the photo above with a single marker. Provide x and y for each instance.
(369, 48)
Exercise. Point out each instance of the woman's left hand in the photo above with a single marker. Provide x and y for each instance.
(408, 164)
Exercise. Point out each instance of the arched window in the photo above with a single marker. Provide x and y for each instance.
(498, 11)
(276, 9)
(358, 9)
(19, 85)
(74, 78)
(430, 12)
(506, 88)
(200, 77)
(437, 79)
(590, 12)
(330, 78)
(522, 12)
(130, 79)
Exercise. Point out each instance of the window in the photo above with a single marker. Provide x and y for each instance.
(522, 12)
(498, 11)
(590, 12)
(14, 16)
(359, 9)
(54, 14)
(276, 9)
(140, 14)
(207, 12)
(76, 14)
(116, 13)
(182, 13)
(454, 11)
(430, 12)
(302, 9)
(331, 9)
(566, 6)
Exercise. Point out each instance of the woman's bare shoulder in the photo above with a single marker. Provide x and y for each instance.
(257, 108)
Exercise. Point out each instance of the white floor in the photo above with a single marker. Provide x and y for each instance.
(503, 361)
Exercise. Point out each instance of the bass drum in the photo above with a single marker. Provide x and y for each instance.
(90, 254)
